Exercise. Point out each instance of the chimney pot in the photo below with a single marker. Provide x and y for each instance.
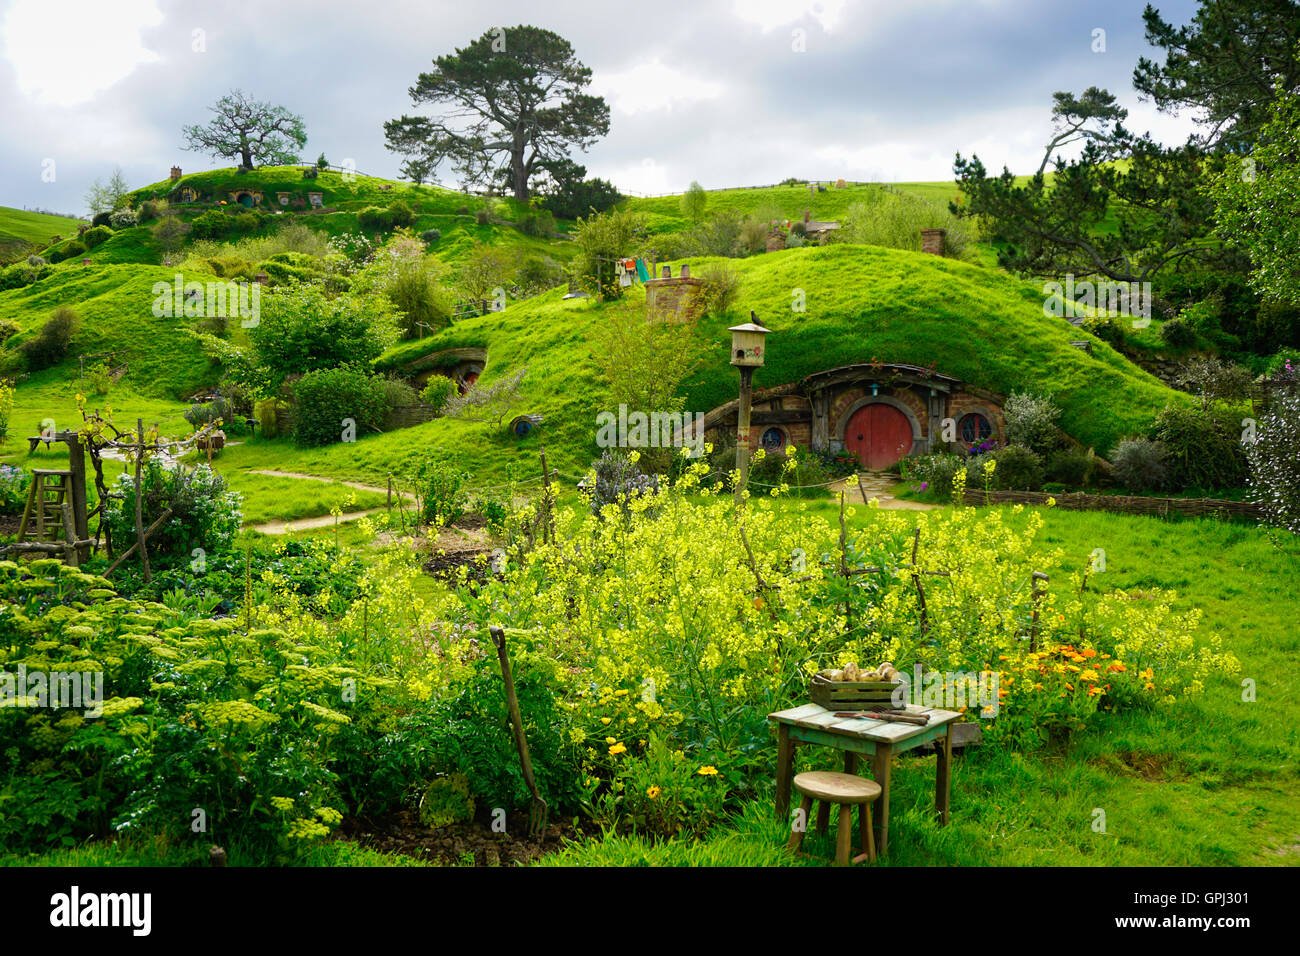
(668, 272)
(686, 272)
(176, 173)
(807, 214)
(932, 241)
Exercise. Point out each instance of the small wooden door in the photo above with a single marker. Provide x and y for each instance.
(880, 435)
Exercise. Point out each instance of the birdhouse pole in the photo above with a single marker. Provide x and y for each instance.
(747, 353)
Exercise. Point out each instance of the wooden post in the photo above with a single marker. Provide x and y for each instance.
(844, 568)
(784, 770)
(916, 580)
(943, 777)
(69, 535)
(1036, 595)
(139, 505)
(548, 529)
(880, 770)
(77, 465)
(742, 429)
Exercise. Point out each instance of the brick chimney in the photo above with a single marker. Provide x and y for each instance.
(932, 241)
(176, 173)
(674, 299)
(807, 215)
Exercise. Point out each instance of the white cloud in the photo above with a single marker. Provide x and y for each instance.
(65, 51)
(770, 14)
(652, 86)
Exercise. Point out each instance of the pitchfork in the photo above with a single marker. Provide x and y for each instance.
(539, 812)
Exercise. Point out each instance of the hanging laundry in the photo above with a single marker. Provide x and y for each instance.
(642, 272)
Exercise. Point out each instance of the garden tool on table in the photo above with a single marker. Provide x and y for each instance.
(539, 812)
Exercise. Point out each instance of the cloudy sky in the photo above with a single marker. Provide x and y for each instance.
(726, 92)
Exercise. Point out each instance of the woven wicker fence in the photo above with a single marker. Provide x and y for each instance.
(1121, 504)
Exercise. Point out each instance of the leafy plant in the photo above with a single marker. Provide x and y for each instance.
(326, 399)
(1140, 464)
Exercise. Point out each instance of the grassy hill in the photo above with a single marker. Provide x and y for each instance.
(21, 231)
(863, 302)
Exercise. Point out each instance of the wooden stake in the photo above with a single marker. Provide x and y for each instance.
(139, 505)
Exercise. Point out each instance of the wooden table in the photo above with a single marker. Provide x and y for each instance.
(814, 724)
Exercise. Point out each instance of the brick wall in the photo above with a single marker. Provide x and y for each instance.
(964, 403)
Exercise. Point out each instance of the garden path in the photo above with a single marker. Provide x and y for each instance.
(877, 486)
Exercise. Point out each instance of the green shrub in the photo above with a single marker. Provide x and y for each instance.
(537, 222)
(413, 287)
(1177, 334)
(799, 469)
(437, 390)
(123, 218)
(1274, 458)
(100, 219)
(211, 225)
(1108, 330)
(440, 487)
(326, 398)
(1138, 464)
(483, 216)
(205, 413)
(264, 411)
(1203, 447)
(1073, 468)
(152, 208)
(539, 273)
(51, 343)
(1018, 469)
(205, 514)
(246, 222)
(399, 213)
(397, 394)
(71, 250)
(1031, 422)
(431, 236)
(933, 472)
(721, 287)
(375, 217)
(94, 236)
(13, 480)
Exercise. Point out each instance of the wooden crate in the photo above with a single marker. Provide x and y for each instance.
(853, 695)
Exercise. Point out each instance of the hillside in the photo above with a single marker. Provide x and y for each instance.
(863, 302)
(22, 231)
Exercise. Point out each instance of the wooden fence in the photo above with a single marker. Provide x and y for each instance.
(1121, 504)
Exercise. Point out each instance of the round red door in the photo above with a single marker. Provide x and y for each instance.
(880, 435)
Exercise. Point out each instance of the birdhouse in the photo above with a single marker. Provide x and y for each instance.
(747, 343)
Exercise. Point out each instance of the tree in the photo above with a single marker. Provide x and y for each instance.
(568, 193)
(255, 133)
(485, 269)
(1226, 63)
(694, 201)
(1053, 228)
(1071, 119)
(105, 197)
(169, 231)
(1258, 201)
(511, 98)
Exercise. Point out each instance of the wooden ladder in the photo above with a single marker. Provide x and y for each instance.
(43, 516)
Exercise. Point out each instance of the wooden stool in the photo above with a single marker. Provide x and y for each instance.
(846, 790)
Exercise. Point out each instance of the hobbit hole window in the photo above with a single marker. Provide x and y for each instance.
(773, 440)
(974, 428)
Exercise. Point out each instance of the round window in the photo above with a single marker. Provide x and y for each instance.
(974, 428)
(773, 439)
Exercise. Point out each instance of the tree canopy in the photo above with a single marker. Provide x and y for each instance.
(512, 99)
(255, 133)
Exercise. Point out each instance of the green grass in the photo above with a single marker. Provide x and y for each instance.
(1211, 781)
(271, 498)
(115, 303)
(161, 852)
(20, 228)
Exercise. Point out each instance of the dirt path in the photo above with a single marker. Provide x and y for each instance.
(324, 521)
(351, 484)
(877, 485)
